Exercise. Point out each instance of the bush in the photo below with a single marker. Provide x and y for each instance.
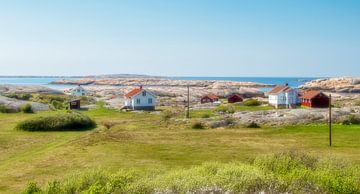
(26, 108)
(72, 121)
(19, 96)
(32, 188)
(252, 125)
(357, 103)
(3, 109)
(352, 119)
(205, 116)
(289, 172)
(197, 125)
(166, 115)
(226, 109)
(252, 102)
(108, 124)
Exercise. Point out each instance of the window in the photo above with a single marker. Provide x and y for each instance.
(150, 100)
(144, 93)
(137, 101)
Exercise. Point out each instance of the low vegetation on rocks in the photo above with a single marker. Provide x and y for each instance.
(72, 121)
(252, 102)
(289, 172)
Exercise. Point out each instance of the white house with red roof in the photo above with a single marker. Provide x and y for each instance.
(284, 97)
(140, 99)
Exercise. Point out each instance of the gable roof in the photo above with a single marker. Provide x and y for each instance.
(137, 91)
(79, 87)
(134, 92)
(311, 94)
(278, 89)
(211, 96)
(235, 94)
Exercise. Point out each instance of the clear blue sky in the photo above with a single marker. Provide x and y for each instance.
(180, 37)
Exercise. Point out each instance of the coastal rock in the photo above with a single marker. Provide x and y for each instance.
(293, 116)
(14, 105)
(9, 89)
(214, 84)
(339, 85)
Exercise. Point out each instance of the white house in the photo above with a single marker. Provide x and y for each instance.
(283, 97)
(78, 91)
(140, 99)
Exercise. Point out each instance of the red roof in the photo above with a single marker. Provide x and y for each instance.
(211, 96)
(311, 94)
(235, 94)
(134, 92)
(278, 89)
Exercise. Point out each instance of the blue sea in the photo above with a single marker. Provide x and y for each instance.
(45, 81)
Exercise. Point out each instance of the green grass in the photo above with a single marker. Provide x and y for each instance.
(142, 141)
(289, 172)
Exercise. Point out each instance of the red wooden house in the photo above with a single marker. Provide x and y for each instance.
(314, 99)
(233, 98)
(209, 98)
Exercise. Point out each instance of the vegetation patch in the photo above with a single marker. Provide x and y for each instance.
(352, 119)
(289, 172)
(26, 108)
(230, 109)
(72, 121)
(252, 102)
(197, 125)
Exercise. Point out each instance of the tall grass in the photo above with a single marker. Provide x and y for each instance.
(72, 121)
(279, 173)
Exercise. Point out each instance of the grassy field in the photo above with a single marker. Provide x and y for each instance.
(142, 141)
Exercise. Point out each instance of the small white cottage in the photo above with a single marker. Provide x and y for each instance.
(283, 97)
(79, 91)
(140, 99)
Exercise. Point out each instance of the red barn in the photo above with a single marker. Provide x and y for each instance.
(209, 98)
(314, 99)
(233, 98)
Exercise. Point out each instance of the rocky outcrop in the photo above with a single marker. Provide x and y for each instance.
(14, 105)
(294, 116)
(9, 89)
(162, 82)
(338, 85)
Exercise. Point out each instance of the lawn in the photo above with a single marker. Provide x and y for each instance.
(143, 141)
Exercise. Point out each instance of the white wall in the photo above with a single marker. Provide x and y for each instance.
(143, 100)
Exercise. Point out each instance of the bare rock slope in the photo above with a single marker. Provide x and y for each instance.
(338, 85)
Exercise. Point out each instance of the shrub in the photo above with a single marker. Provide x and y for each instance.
(3, 109)
(72, 121)
(197, 125)
(166, 115)
(108, 124)
(226, 109)
(252, 125)
(26, 108)
(357, 103)
(58, 105)
(289, 172)
(205, 116)
(19, 96)
(32, 188)
(352, 119)
(252, 102)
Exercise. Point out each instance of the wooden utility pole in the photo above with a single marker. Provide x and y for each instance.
(330, 138)
(187, 114)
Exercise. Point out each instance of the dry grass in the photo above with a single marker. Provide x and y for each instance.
(142, 141)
